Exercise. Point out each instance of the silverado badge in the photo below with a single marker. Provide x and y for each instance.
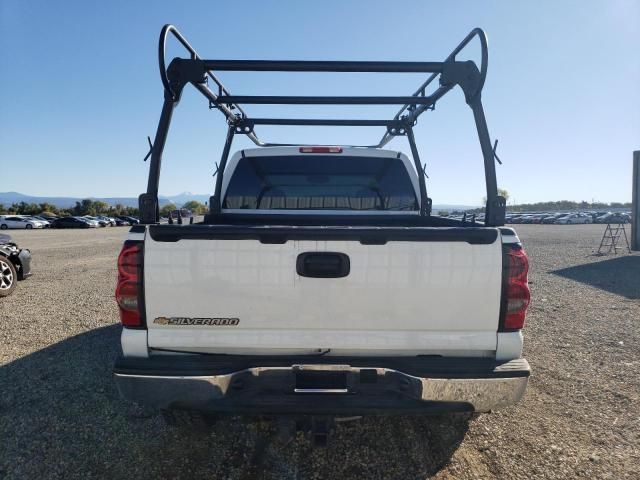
(185, 321)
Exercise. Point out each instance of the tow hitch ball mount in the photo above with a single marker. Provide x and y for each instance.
(317, 428)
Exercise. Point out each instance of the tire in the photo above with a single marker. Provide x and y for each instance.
(8, 277)
(28, 226)
(3, 226)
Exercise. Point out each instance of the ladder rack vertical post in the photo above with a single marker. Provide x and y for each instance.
(148, 203)
(158, 146)
(215, 203)
(425, 209)
(489, 163)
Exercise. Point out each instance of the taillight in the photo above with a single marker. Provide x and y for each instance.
(320, 149)
(515, 287)
(129, 289)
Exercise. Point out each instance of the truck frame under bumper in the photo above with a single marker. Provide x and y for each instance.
(321, 385)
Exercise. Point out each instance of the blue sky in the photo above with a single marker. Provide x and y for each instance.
(80, 90)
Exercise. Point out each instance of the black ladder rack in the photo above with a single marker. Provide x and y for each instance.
(200, 74)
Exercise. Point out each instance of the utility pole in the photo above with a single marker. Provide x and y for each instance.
(635, 206)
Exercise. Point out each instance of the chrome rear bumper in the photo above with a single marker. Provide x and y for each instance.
(326, 389)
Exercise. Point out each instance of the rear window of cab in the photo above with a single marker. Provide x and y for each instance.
(304, 182)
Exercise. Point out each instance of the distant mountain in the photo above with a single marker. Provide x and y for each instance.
(7, 198)
(183, 198)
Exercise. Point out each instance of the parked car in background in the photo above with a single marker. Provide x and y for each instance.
(573, 218)
(90, 221)
(564, 219)
(15, 265)
(101, 223)
(121, 223)
(110, 221)
(515, 218)
(71, 222)
(587, 218)
(131, 220)
(41, 223)
(539, 217)
(16, 221)
(553, 218)
(613, 218)
(46, 223)
(596, 215)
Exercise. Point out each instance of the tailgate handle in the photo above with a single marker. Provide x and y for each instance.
(323, 265)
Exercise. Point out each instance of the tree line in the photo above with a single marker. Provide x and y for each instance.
(91, 207)
(83, 207)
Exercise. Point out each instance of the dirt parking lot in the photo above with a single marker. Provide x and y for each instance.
(61, 416)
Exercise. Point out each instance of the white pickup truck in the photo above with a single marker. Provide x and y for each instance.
(319, 284)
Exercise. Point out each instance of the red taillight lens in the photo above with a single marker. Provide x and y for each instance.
(128, 262)
(516, 294)
(320, 150)
(129, 289)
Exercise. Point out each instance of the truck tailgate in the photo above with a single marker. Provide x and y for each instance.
(238, 289)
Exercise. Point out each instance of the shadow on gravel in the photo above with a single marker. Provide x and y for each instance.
(619, 275)
(61, 417)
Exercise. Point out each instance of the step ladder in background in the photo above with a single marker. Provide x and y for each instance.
(611, 239)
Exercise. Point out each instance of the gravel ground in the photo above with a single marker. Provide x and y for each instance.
(61, 417)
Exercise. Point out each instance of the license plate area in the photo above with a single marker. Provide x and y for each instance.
(321, 381)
